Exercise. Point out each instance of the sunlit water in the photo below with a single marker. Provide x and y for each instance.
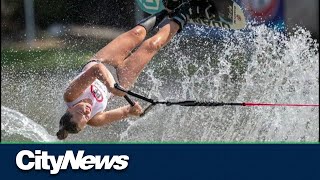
(260, 65)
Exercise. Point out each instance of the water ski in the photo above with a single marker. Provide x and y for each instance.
(228, 13)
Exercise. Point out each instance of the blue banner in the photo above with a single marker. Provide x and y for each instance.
(160, 161)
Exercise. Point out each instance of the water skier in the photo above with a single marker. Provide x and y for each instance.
(88, 94)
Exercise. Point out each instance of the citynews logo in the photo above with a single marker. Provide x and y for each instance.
(40, 160)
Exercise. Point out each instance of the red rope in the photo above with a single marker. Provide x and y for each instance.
(270, 104)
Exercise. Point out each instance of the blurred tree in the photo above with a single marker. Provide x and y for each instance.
(12, 18)
(113, 13)
(50, 11)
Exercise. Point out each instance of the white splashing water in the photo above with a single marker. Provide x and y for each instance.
(14, 123)
(273, 68)
(260, 65)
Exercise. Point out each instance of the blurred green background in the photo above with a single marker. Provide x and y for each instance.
(67, 30)
(41, 30)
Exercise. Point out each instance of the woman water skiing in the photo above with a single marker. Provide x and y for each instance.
(88, 94)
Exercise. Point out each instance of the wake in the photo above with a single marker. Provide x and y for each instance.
(14, 124)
